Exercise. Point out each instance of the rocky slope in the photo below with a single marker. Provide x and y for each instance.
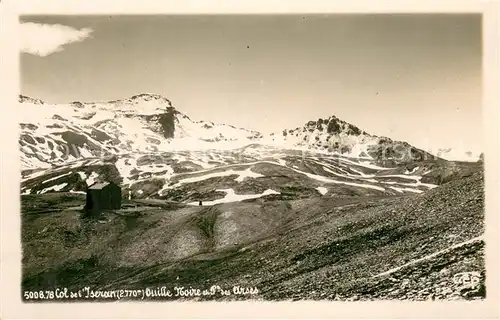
(408, 247)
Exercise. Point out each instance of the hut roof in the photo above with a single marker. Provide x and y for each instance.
(98, 185)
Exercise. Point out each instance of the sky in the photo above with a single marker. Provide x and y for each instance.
(414, 77)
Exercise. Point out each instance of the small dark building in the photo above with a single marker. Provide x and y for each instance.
(103, 196)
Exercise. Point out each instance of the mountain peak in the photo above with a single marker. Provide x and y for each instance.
(150, 97)
(143, 98)
(23, 98)
(333, 125)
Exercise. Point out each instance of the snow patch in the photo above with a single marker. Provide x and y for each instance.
(365, 164)
(402, 190)
(231, 196)
(412, 171)
(57, 177)
(35, 175)
(125, 167)
(92, 179)
(54, 188)
(179, 158)
(82, 175)
(282, 162)
(77, 192)
(402, 176)
(327, 180)
(248, 173)
(242, 175)
(322, 190)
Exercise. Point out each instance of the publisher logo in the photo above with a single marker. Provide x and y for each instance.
(467, 279)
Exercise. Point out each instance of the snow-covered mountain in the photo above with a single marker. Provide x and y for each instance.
(58, 133)
(334, 135)
(154, 151)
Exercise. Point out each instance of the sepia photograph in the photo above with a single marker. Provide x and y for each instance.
(266, 157)
(250, 157)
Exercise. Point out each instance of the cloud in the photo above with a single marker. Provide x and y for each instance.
(44, 39)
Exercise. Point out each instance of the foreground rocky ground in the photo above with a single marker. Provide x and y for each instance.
(413, 247)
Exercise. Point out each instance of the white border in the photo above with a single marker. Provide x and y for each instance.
(13, 308)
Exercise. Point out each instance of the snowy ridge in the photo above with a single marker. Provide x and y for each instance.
(330, 135)
(154, 151)
(54, 134)
(61, 133)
